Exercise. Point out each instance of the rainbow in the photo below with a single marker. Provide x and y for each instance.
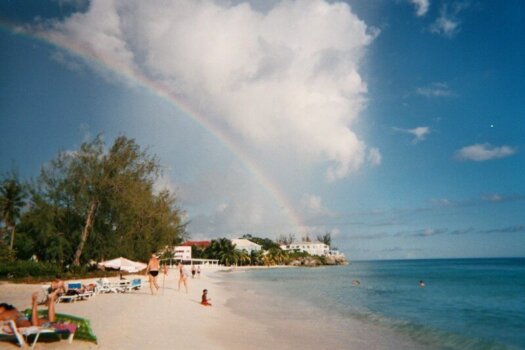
(162, 92)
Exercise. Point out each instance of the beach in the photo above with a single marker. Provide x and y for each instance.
(139, 320)
(311, 308)
(240, 318)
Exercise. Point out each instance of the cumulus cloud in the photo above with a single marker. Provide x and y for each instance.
(286, 78)
(483, 152)
(312, 205)
(420, 133)
(421, 6)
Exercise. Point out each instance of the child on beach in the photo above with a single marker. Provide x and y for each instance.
(205, 301)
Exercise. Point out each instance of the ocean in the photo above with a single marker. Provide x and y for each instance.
(465, 303)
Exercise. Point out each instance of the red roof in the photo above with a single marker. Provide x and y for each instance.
(196, 243)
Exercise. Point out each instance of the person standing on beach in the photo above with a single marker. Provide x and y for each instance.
(183, 277)
(153, 271)
(193, 271)
(198, 271)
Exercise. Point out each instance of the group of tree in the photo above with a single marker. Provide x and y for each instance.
(90, 204)
(270, 254)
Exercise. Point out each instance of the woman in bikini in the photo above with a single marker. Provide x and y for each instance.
(9, 312)
(183, 277)
(153, 271)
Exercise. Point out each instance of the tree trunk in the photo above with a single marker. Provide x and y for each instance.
(85, 232)
(12, 237)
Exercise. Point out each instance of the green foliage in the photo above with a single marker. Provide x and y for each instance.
(286, 239)
(265, 243)
(297, 255)
(95, 204)
(256, 257)
(12, 199)
(326, 238)
(21, 268)
(223, 250)
(7, 255)
(278, 256)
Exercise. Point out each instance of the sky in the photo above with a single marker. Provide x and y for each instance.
(395, 125)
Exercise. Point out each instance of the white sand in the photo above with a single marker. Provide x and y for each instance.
(239, 319)
(138, 320)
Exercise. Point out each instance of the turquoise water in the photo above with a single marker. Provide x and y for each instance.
(465, 304)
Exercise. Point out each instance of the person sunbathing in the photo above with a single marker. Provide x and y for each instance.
(9, 312)
(35, 320)
(205, 301)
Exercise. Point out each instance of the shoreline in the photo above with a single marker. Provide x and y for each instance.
(242, 316)
(285, 322)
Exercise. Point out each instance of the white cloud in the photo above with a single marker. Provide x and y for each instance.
(483, 152)
(285, 79)
(163, 183)
(448, 23)
(419, 132)
(374, 157)
(493, 198)
(421, 6)
(312, 203)
(435, 90)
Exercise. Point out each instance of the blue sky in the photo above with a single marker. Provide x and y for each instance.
(395, 125)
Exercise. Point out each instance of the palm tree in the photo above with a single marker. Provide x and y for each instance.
(278, 255)
(12, 194)
(224, 250)
(267, 260)
(256, 257)
(244, 257)
(326, 238)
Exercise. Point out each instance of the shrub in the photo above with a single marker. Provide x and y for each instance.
(20, 269)
(7, 254)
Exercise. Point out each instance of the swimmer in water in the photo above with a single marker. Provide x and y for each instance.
(421, 284)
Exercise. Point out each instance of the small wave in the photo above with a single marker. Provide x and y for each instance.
(427, 336)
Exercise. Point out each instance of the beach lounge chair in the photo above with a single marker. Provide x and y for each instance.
(135, 284)
(22, 335)
(104, 286)
(83, 331)
(68, 298)
(81, 293)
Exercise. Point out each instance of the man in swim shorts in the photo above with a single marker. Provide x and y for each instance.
(153, 271)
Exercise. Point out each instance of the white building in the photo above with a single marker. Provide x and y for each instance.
(245, 244)
(312, 248)
(182, 253)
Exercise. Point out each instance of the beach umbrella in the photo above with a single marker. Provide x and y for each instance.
(123, 264)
